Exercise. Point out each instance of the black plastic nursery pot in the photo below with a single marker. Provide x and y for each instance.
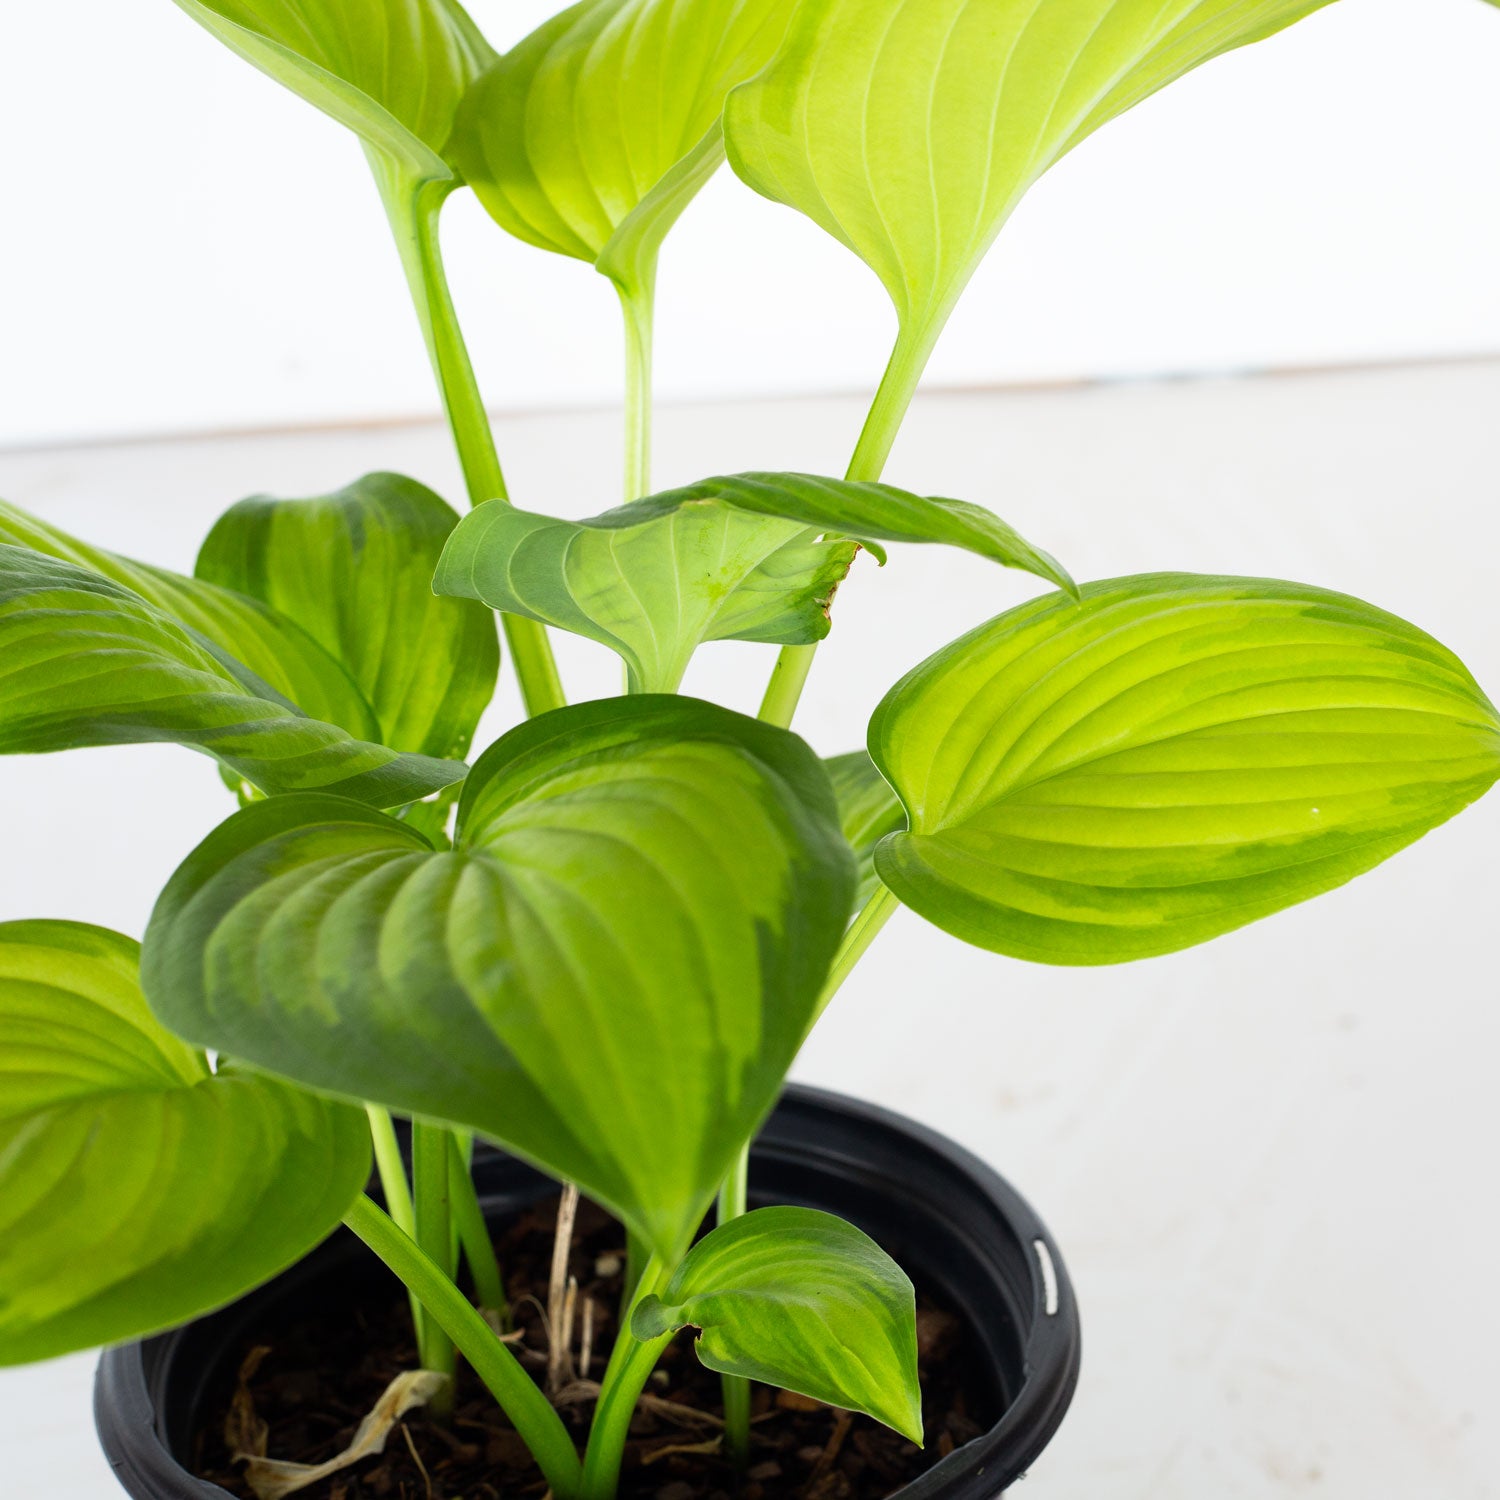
(955, 1225)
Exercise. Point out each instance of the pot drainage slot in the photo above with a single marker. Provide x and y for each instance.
(1049, 1276)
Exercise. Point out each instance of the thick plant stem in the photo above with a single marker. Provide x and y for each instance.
(430, 1148)
(883, 421)
(734, 1195)
(637, 1258)
(784, 691)
(630, 1367)
(413, 209)
(392, 1172)
(888, 410)
(474, 1233)
(392, 1169)
(638, 304)
(521, 1400)
(863, 931)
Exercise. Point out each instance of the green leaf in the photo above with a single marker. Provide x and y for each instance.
(279, 652)
(393, 71)
(88, 661)
(868, 811)
(909, 129)
(610, 974)
(137, 1188)
(354, 569)
(732, 558)
(651, 585)
(592, 135)
(1171, 759)
(865, 512)
(801, 1300)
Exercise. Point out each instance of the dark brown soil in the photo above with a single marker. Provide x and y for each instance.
(317, 1380)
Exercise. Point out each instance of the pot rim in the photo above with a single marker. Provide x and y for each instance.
(809, 1128)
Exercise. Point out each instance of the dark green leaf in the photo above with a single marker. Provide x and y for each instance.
(592, 135)
(137, 1188)
(88, 661)
(393, 71)
(610, 974)
(354, 569)
(802, 1300)
(868, 810)
(1172, 758)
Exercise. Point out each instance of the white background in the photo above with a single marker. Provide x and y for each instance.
(185, 245)
(1269, 1161)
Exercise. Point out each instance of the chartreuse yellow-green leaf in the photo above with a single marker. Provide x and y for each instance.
(909, 129)
(802, 1300)
(138, 1188)
(610, 974)
(591, 136)
(393, 71)
(283, 655)
(85, 660)
(1171, 758)
(354, 570)
(737, 557)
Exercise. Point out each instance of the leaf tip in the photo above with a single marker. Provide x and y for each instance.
(1056, 573)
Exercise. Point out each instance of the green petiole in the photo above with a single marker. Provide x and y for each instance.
(393, 1183)
(519, 1397)
(473, 1233)
(638, 306)
(413, 212)
(883, 421)
(430, 1147)
(733, 1201)
(630, 1366)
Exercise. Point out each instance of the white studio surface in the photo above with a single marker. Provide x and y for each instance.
(1268, 1161)
(188, 246)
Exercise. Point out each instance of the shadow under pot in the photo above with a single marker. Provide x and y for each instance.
(974, 1248)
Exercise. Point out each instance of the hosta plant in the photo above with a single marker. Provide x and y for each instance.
(602, 940)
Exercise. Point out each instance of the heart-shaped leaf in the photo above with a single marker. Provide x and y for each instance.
(277, 651)
(909, 129)
(868, 811)
(88, 661)
(801, 1300)
(137, 1188)
(393, 71)
(592, 135)
(610, 974)
(354, 569)
(1170, 759)
(732, 558)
